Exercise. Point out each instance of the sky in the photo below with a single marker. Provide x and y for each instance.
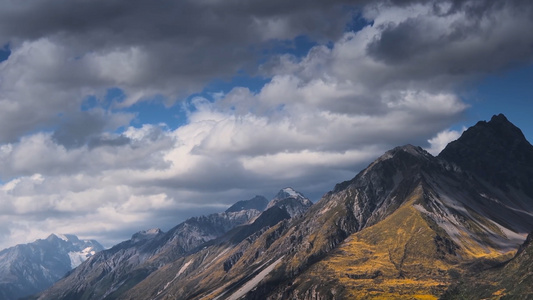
(118, 116)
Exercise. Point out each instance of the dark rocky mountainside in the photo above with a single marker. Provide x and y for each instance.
(30, 268)
(409, 226)
(496, 151)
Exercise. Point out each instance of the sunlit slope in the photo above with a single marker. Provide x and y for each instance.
(404, 256)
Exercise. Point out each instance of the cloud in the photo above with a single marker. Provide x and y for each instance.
(443, 138)
(172, 49)
(81, 128)
(64, 52)
(320, 117)
(41, 154)
(455, 38)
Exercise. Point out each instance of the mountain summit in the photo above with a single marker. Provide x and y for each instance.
(290, 200)
(258, 203)
(497, 152)
(30, 268)
(408, 226)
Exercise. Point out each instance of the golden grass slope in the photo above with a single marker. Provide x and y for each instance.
(398, 258)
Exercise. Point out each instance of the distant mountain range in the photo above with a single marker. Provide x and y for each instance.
(30, 268)
(409, 226)
(112, 272)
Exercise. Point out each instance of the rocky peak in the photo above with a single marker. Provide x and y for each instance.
(400, 162)
(146, 234)
(497, 136)
(406, 152)
(288, 192)
(258, 202)
(496, 151)
(295, 203)
(53, 238)
(69, 241)
(413, 150)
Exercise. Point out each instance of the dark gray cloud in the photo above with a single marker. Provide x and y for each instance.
(88, 128)
(458, 38)
(187, 40)
(66, 50)
(108, 141)
(139, 21)
(78, 129)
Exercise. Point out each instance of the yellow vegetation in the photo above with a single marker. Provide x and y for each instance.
(500, 292)
(396, 258)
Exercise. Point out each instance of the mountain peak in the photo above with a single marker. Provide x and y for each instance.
(258, 202)
(64, 237)
(413, 150)
(288, 192)
(293, 201)
(497, 151)
(400, 151)
(499, 118)
(26, 269)
(499, 127)
(146, 234)
(393, 161)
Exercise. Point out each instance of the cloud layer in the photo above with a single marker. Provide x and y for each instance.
(320, 117)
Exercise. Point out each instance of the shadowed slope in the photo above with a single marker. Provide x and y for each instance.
(512, 280)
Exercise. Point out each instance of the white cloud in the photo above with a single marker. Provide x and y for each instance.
(443, 138)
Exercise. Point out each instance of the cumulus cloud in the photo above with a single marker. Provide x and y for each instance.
(320, 117)
(443, 138)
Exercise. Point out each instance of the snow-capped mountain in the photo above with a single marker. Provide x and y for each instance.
(295, 203)
(29, 268)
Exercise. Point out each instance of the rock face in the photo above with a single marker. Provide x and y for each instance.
(408, 226)
(30, 268)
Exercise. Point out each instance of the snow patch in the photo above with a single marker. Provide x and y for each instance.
(512, 237)
(449, 212)
(221, 253)
(78, 257)
(183, 268)
(291, 192)
(62, 236)
(248, 286)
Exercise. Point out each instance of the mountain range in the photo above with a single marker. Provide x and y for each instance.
(30, 268)
(409, 226)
